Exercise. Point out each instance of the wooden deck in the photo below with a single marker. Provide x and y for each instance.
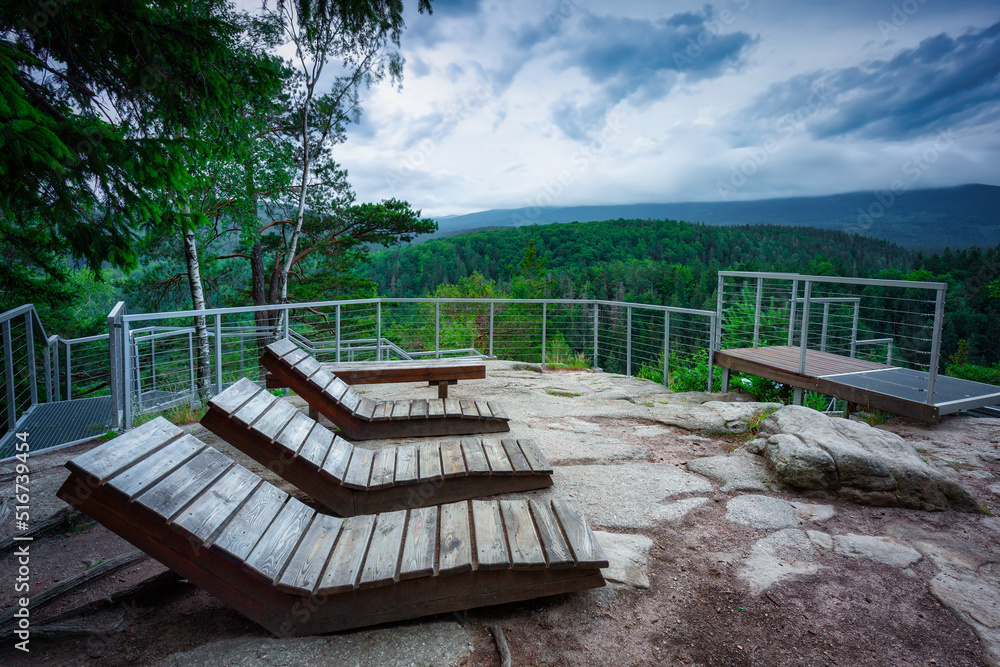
(353, 480)
(299, 572)
(781, 364)
(361, 418)
(435, 372)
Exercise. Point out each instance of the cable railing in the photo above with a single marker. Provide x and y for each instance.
(162, 363)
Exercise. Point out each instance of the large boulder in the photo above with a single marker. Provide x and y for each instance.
(808, 450)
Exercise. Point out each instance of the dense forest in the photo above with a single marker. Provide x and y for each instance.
(676, 263)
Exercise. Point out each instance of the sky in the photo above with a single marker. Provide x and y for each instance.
(519, 103)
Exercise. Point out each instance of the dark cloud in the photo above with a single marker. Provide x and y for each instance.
(643, 59)
(943, 82)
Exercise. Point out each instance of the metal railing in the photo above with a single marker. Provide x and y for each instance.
(157, 353)
(768, 309)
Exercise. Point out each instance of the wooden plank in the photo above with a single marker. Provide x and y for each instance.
(534, 456)
(351, 400)
(401, 410)
(240, 535)
(475, 458)
(276, 418)
(230, 400)
(469, 410)
(336, 389)
(366, 409)
(430, 461)
(497, 410)
(134, 480)
(306, 566)
(435, 408)
(282, 347)
(456, 542)
(383, 410)
(314, 449)
(107, 459)
(406, 464)
(321, 378)
(360, 469)
(556, 549)
(483, 408)
(276, 546)
(491, 541)
(294, 357)
(586, 549)
(497, 457)
(452, 461)
(308, 367)
(293, 436)
(185, 483)
(418, 409)
(420, 543)
(383, 468)
(452, 408)
(213, 508)
(254, 408)
(338, 458)
(342, 571)
(383, 552)
(425, 370)
(516, 458)
(525, 548)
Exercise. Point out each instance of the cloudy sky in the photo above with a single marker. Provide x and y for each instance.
(511, 103)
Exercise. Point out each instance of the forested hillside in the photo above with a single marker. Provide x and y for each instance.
(676, 263)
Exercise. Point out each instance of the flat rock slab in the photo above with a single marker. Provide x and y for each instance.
(782, 556)
(767, 512)
(886, 550)
(628, 558)
(976, 600)
(626, 496)
(739, 471)
(713, 417)
(558, 445)
(438, 643)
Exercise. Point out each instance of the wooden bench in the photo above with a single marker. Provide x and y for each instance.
(362, 418)
(299, 572)
(435, 372)
(353, 480)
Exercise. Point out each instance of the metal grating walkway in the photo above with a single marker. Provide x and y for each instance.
(60, 423)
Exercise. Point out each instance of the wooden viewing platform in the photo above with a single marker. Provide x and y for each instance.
(861, 383)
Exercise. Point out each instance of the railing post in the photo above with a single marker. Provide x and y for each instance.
(756, 312)
(437, 329)
(8, 369)
(714, 338)
(854, 329)
(152, 355)
(194, 385)
(112, 362)
(288, 318)
(47, 368)
(545, 311)
(492, 304)
(58, 369)
(804, 338)
(935, 344)
(596, 318)
(378, 330)
(69, 371)
(29, 331)
(138, 376)
(791, 313)
(715, 342)
(628, 341)
(666, 348)
(826, 320)
(337, 326)
(126, 376)
(218, 349)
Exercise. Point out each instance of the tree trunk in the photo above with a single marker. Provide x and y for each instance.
(202, 362)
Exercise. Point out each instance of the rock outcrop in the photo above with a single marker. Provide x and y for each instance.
(806, 449)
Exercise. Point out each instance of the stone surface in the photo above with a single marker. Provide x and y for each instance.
(782, 556)
(767, 512)
(993, 523)
(435, 643)
(870, 465)
(712, 417)
(739, 471)
(628, 558)
(880, 549)
(624, 496)
(580, 447)
(820, 540)
(976, 600)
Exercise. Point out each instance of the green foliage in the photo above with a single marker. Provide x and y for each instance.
(984, 374)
